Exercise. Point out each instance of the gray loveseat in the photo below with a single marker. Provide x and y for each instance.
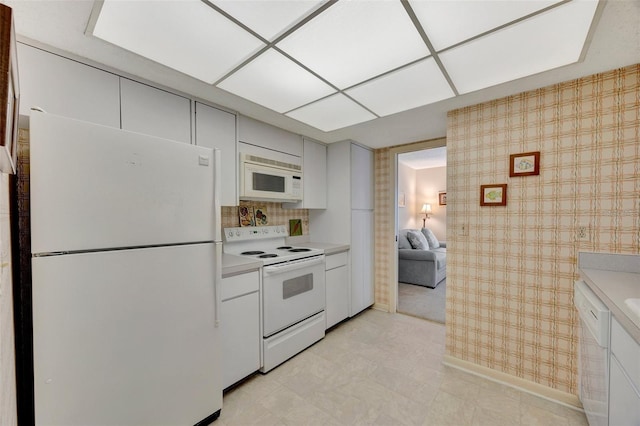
(421, 267)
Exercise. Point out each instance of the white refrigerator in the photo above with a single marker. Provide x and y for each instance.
(126, 266)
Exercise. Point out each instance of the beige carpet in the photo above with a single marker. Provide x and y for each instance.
(423, 302)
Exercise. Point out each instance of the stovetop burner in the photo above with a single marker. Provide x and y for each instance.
(265, 244)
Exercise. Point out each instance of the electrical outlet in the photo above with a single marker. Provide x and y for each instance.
(582, 233)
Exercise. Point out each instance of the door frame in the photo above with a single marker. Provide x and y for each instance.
(392, 261)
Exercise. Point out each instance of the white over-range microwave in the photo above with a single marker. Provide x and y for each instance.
(271, 180)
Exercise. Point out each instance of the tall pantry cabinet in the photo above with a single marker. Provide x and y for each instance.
(348, 217)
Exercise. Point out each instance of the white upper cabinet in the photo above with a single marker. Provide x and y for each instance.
(314, 169)
(155, 112)
(267, 136)
(217, 129)
(64, 87)
(361, 178)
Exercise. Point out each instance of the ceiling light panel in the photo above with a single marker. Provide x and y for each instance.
(274, 81)
(449, 22)
(269, 18)
(334, 112)
(419, 84)
(546, 41)
(352, 41)
(184, 35)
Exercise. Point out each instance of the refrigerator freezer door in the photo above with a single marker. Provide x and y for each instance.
(126, 337)
(96, 187)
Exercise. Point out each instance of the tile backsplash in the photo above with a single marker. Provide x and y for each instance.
(276, 215)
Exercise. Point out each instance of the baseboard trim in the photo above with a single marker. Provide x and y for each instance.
(381, 307)
(554, 395)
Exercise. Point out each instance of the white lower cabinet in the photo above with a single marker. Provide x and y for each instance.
(362, 290)
(624, 401)
(624, 378)
(337, 288)
(240, 326)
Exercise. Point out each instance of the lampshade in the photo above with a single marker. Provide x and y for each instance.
(426, 208)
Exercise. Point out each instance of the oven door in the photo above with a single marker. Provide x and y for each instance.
(292, 292)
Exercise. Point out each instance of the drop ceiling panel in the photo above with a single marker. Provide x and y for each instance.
(332, 113)
(353, 41)
(449, 22)
(546, 41)
(269, 18)
(412, 86)
(158, 32)
(274, 81)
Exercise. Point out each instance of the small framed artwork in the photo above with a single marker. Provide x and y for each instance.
(245, 213)
(493, 195)
(295, 227)
(402, 201)
(525, 164)
(260, 215)
(442, 198)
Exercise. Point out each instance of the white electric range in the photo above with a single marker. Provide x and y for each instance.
(293, 289)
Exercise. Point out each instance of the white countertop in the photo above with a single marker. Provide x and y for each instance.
(233, 265)
(613, 288)
(328, 248)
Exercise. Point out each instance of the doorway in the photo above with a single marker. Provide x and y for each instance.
(418, 173)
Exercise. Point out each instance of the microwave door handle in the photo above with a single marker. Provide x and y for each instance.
(292, 266)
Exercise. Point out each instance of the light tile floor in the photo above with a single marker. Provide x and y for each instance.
(383, 369)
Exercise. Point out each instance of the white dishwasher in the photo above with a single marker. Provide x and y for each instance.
(593, 354)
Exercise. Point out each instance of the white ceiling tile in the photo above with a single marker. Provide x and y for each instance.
(332, 113)
(409, 87)
(158, 31)
(449, 22)
(274, 81)
(269, 18)
(354, 40)
(550, 40)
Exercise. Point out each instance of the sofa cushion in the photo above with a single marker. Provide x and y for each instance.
(417, 240)
(431, 238)
(403, 241)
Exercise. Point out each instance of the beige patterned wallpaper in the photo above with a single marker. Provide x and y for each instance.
(383, 227)
(510, 279)
(276, 215)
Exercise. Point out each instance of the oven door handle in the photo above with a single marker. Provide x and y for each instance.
(292, 265)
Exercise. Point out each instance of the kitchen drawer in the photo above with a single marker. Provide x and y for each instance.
(336, 260)
(238, 285)
(627, 351)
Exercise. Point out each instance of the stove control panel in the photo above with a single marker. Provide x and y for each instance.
(250, 233)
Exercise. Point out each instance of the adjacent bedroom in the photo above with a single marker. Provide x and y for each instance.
(422, 230)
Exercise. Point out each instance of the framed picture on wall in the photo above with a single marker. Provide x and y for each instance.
(442, 198)
(525, 164)
(493, 195)
(402, 201)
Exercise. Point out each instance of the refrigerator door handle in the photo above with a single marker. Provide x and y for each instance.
(217, 193)
(217, 283)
